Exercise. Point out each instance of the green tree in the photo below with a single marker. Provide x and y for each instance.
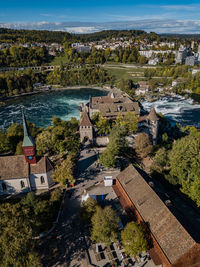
(184, 161)
(160, 160)
(19, 149)
(117, 143)
(103, 125)
(44, 143)
(16, 244)
(87, 210)
(104, 225)
(14, 135)
(133, 239)
(63, 174)
(129, 122)
(4, 145)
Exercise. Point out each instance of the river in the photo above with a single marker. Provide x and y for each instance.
(177, 109)
(40, 108)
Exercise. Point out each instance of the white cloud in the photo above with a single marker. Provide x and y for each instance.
(82, 29)
(190, 7)
(156, 25)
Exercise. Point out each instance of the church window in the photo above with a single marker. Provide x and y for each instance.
(22, 184)
(4, 187)
(42, 180)
(30, 157)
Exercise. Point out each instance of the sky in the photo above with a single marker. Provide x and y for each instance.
(52, 14)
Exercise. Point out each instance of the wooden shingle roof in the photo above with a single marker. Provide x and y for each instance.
(172, 237)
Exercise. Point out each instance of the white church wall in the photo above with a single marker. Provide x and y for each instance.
(37, 182)
(12, 186)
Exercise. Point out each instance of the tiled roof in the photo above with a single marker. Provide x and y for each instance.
(85, 121)
(172, 237)
(115, 108)
(13, 167)
(43, 165)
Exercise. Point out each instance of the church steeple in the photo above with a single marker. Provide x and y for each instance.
(28, 143)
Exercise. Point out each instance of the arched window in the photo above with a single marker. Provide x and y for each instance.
(42, 179)
(22, 184)
(4, 187)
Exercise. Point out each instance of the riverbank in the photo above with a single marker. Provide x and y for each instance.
(3, 100)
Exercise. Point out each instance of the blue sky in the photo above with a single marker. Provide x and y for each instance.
(159, 16)
(95, 11)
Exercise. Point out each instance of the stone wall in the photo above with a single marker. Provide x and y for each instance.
(102, 141)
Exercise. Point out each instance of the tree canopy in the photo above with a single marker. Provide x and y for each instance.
(104, 225)
(184, 161)
(133, 239)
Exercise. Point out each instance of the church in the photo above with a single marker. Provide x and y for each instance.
(25, 173)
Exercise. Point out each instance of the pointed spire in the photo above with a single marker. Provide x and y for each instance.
(28, 140)
(24, 123)
(152, 115)
(85, 121)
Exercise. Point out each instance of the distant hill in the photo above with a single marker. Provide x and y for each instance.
(24, 36)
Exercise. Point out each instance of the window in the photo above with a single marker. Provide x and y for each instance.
(4, 187)
(30, 157)
(42, 180)
(22, 184)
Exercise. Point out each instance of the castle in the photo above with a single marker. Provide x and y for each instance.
(110, 107)
(24, 173)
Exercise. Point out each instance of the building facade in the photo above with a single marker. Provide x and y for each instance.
(24, 173)
(170, 243)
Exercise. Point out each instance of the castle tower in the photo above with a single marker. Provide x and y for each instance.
(86, 128)
(28, 143)
(153, 122)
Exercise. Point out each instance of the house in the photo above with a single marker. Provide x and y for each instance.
(113, 104)
(176, 82)
(153, 61)
(24, 173)
(142, 88)
(172, 244)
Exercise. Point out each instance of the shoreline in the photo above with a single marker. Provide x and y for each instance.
(4, 100)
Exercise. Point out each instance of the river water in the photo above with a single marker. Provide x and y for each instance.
(177, 109)
(40, 108)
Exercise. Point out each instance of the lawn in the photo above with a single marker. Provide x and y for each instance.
(125, 72)
(58, 61)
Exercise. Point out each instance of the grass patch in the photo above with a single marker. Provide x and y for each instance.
(58, 60)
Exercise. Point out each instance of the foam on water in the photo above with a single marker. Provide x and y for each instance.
(41, 108)
(64, 104)
(177, 109)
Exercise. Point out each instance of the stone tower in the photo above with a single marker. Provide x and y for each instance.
(86, 129)
(28, 143)
(153, 122)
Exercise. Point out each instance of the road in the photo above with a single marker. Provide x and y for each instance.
(65, 246)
